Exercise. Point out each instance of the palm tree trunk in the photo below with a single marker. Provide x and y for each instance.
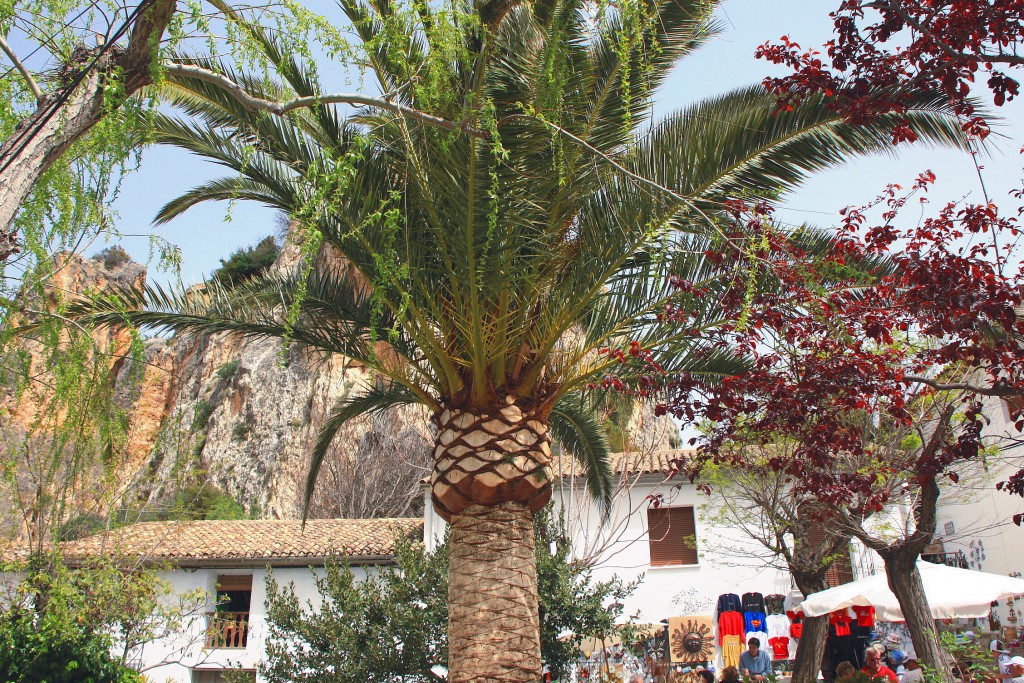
(491, 474)
(493, 615)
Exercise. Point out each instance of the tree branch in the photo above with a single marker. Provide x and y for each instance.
(998, 391)
(32, 85)
(256, 104)
(897, 8)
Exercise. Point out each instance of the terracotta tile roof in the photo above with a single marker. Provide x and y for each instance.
(632, 462)
(250, 542)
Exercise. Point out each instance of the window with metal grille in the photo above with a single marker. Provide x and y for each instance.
(673, 536)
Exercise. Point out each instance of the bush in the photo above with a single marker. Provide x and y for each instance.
(247, 263)
(44, 648)
(113, 257)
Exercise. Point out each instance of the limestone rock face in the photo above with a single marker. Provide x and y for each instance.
(244, 414)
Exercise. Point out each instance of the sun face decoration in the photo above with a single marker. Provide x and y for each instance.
(691, 640)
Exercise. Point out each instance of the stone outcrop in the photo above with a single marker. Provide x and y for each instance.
(244, 414)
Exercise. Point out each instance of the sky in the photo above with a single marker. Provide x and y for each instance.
(212, 231)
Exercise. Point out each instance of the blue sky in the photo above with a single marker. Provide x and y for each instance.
(210, 232)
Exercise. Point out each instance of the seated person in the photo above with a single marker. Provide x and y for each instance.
(755, 662)
(844, 670)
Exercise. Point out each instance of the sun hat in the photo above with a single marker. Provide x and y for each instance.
(1018, 660)
(997, 646)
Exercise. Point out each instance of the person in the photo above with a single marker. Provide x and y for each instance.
(1002, 655)
(844, 670)
(912, 672)
(706, 676)
(1016, 669)
(874, 668)
(730, 674)
(755, 662)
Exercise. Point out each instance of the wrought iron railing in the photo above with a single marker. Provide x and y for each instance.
(227, 629)
(954, 559)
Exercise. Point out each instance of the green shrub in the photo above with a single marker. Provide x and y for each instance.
(201, 413)
(247, 263)
(113, 257)
(228, 370)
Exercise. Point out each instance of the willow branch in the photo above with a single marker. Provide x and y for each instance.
(258, 104)
(32, 85)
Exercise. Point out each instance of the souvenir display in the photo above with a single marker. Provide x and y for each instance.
(691, 639)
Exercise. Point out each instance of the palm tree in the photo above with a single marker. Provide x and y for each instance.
(493, 261)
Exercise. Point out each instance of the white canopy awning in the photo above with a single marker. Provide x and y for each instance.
(952, 593)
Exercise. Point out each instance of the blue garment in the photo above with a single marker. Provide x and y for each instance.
(754, 621)
(761, 664)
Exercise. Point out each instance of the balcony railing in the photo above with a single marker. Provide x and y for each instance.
(227, 629)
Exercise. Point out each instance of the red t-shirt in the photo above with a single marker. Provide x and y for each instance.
(780, 647)
(865, 616)
(841, 620)
(796, 629)
(730, 624)
(883, 670)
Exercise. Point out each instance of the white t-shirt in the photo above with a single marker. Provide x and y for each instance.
(777, 625)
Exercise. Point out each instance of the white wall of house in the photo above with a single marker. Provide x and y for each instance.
(978, 520)
(728, 562)
(172, 660)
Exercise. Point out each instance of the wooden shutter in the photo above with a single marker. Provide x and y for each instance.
(234, 582)
(841, 570)
(673, 536)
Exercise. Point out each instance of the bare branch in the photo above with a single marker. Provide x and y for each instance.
(32, 85)
(998, 391)
(256, 104)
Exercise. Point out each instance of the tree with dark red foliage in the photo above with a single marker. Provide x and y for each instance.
(884, 49)
(870, 360)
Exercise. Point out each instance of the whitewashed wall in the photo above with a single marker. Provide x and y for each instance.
(185, 651)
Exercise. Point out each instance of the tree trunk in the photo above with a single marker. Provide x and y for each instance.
(810, 648)
(44, 136)
(491, 474)
(493, 614)
(905, 583)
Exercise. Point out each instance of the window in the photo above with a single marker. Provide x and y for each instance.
(841, 570)
(228, 626)
(673, 536)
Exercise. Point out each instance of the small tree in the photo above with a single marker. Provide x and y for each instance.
(392, 625)
(874, 377)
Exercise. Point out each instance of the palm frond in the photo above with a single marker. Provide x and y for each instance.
(376, 399)
(582, 436)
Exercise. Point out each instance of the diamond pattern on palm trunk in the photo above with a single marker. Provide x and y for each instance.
(503, 456)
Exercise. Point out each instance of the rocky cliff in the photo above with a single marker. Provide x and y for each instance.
(242, 415)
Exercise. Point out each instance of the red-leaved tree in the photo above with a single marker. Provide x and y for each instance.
(884, 49)
(870, 359)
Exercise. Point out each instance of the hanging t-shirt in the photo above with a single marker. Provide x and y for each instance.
(732, 646)
(780, 647)
(774, 603)
(865, 615)
(762, 638)
(729, 602)
(754, 621)
(841, 620)
(796, 628)
(753, 602)
(778, 626)
(729, 624)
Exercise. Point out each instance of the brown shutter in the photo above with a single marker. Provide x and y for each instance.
(841, 570)
(673, 536)
(234, 582)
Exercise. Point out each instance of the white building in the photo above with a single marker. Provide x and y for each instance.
(226, 564)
